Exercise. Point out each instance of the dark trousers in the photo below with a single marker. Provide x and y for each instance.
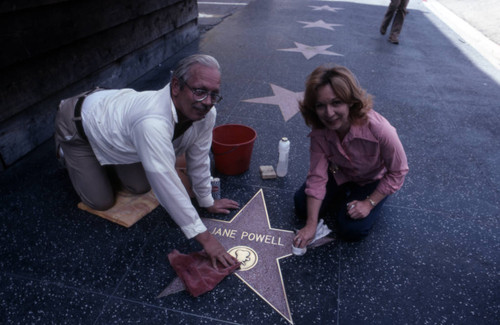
(396, 10)
(335, 206)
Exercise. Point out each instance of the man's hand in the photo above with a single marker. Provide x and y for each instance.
(215, 250)
(223, 206)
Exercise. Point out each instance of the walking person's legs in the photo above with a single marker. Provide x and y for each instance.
(389, 15)
(397, 24)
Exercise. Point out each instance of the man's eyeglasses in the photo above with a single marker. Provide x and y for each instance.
(201, 94)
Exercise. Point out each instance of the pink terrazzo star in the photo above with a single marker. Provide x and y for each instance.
(318, 24)
(287, 100)
(249, 237)
(327, 8)
(310, 51)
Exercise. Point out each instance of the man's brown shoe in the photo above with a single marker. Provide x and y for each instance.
(393, 40)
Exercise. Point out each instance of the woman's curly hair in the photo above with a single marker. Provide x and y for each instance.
(345, 86)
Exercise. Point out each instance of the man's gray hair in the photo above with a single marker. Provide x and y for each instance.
(183, 68)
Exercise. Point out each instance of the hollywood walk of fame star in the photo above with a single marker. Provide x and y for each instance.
(287, 100)
(327, 8)
(250, 238)
(311, 51)
(318, 24)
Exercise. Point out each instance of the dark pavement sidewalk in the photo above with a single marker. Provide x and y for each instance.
(432, 258)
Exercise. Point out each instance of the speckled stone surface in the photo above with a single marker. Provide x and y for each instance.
(432, 258)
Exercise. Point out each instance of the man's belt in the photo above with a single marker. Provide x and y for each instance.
(78, 118)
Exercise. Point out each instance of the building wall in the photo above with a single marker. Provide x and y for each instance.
(53, 49)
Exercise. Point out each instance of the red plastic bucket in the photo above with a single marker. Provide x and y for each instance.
(232, 146)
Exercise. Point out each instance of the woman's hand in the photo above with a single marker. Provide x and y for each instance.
(304, 236)
(359, 209)
(223, 206)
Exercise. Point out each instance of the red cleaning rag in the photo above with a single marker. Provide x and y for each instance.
(196, 271)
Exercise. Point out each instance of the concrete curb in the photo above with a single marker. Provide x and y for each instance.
(487, 48)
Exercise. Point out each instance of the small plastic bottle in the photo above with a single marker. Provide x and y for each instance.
(215, 187)
(283, 149)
